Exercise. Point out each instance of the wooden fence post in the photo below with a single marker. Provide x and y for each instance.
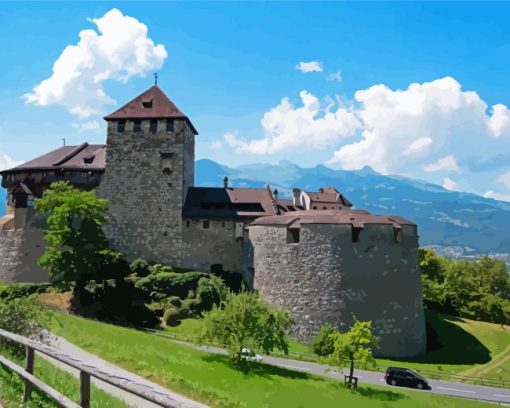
(84, 389)
(29, 369)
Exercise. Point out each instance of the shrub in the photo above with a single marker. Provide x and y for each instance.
(170, 283)
(211, 291)
(140, 267)
(25, 317)
(323, 343)
(172, 316)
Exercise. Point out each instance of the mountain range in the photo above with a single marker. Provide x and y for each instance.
(452, 222)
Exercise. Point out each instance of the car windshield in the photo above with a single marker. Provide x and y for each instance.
(411, 372)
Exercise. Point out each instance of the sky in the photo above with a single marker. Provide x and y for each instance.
(417, 90)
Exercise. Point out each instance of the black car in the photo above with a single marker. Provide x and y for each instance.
(405, 378)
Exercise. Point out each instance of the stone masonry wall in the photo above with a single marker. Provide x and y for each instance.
(20, 249)
(146, 179)
(326, 278)
(203, 247)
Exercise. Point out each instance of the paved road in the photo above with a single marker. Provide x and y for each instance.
(476, 392)
(140, 382)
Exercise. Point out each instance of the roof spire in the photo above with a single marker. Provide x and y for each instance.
(155, 78)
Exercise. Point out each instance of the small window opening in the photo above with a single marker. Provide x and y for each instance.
(137, 127)
(324, 208)
(293, 235)
(223, 223)
(356, 233)
(169, 125)
(397, 232)
(205, 224)
(314, 207)
(121, 126)
(187, 223)
(147, 104)
(154, 126)
(30, 201)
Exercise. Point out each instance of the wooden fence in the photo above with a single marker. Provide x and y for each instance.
(86, 372)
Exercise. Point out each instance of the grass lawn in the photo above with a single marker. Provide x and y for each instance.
(11, 387)
(460, 346)
(214, 380)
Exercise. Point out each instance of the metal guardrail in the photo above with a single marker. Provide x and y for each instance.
(430, 374)
(86, 372)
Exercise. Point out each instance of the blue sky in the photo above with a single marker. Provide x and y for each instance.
(415, 89)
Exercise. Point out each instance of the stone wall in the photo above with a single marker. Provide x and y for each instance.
(146, 179)
(203, 247)
(327, 278)
(20, 249)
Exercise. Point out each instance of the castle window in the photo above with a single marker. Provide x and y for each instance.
(147, 104)
(187, 223)
(154, 126)
(293, 235)
(137, 127)
(223, 223)
(30, 201)
(205, 224)
(314, 207)
(169, 125)
(355, 234)
(121, 126)
(397, 232)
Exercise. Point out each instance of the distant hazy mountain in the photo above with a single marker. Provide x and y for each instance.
(464, 223)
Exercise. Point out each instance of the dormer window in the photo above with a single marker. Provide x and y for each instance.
(137, 127)
(121, 126)
(169, 125)
(147, 103)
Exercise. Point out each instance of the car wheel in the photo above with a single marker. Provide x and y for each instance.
(420, 386)
(393, 382)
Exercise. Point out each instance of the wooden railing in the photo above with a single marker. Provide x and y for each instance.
(86, 372)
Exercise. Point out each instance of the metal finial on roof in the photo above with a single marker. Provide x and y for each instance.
(64, 141)
(155, 78)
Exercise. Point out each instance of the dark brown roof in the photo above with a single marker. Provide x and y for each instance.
(285, 205)
(357, 218)
(213, 202)
(330, 195)
(151, 104)
(83, 157)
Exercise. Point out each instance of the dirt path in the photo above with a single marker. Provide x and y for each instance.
(497, 360)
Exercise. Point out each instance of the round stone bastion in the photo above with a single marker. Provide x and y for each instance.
(329, 266)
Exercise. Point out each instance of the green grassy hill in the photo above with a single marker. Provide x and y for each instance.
(214, 380)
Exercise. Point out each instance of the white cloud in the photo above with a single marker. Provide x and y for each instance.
(447, 163)
(497, 196)
(90, 125)
(307, 126)
(449, 184)
(119, 50)
(6, 162)
(419, 146)
(311, 66)
(505, 179)
(446, 120)
(216, 144)
(335, 76)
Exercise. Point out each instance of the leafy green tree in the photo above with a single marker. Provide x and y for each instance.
(354, 345)
(211, 291)
(77, 249)
(323, 343)
(245, 321)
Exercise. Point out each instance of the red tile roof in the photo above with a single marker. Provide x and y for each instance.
(151, 104)
(82, 157)
(330, 195)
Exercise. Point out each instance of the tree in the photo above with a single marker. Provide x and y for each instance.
(77, 249)
(354, 345)
(323, 343)
(245, 321)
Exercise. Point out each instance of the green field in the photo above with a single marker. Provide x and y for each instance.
(11, 387)
(461, 346)
(214, 380)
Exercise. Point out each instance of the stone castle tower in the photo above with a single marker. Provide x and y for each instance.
(149, 169)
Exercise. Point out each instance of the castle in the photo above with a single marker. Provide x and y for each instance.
(312, 254)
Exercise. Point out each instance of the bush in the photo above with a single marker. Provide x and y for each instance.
(323, 343)
(25, 317)
(170, 284)
(172, 316)
(140, 267)
(22, 290)
(211, 292)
